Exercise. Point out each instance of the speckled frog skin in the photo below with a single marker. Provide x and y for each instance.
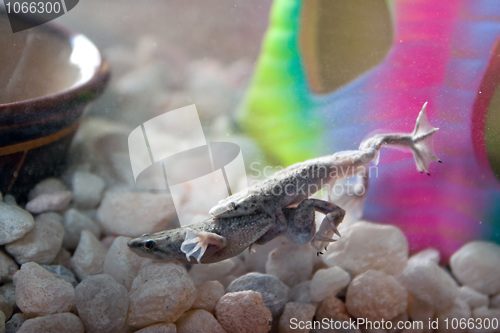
(264, 211)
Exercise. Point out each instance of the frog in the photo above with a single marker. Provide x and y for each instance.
(214, 239)
(282, 204)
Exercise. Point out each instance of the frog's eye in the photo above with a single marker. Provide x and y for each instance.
(231, 206)
(149, 245)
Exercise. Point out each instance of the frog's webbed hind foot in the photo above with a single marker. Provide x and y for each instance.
(196, 243)
(302, 227)
(423, 142)
(327, 229)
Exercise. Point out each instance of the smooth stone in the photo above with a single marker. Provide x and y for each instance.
(301, 292)
(74, 223)
(427, 254)
(87, 189)
(15, 322)
(14, 223)
(376, 295)
(207, 296)
(123, 264)
(366, 245)
(460, 310)
(420, 311)
(88, 258)
(49, 202)
(3, 319)
(495, 301)
(243, 311)
(221, 271)
(291, 263)
(47, 186)
(120, 212)
(8, 267)
(102, 304)
(477, 265)
(430, 284)
(294, 313)
(486, 314)
(5, 306)
(160, 293)
(62, 272)
(473, 298)
(274, 292)
(9, 292)
(41, 244)
(159, 328)
(55, 323)
(328, 282)
(39, 292)
(332, 308)
(198, 321)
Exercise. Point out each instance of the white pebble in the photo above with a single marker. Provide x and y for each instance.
(121, 212)
(207, 296)
(88, 258)
(102, 304)
(5, 306)
(301, 292)
(477, 265)
(74, 222)
(473, 298)
(294, 313)
(460, 310)
(274, 292)
(15, 322)
(198, 321)
(9, 292)
(3, 320)
(419, 311)
(429, 283)
(47, 186)
(14, 223)
(55, 323)
(291, 263)
(87, 189)
(486, 315)
(48, 202)
(332, 308)
(41, 244)
(328, 282)
(375, 295)
(427, 254)
(495, 301)
(123, 264)
(8, 267)
(39, 292)
(365, 246)
(216, 271)
(242, 312)
(159, 328)
(160, 293)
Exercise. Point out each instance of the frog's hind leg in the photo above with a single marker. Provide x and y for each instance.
(196, 243)
(302, 226)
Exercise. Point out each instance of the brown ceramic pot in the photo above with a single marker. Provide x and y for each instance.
(48, 76)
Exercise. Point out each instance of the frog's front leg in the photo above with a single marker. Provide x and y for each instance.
(302, 227)
(196, 243)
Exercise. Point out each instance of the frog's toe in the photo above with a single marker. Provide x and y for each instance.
(196, 243)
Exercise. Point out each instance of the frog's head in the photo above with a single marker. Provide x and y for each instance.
(160, 245)
(242, 203)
